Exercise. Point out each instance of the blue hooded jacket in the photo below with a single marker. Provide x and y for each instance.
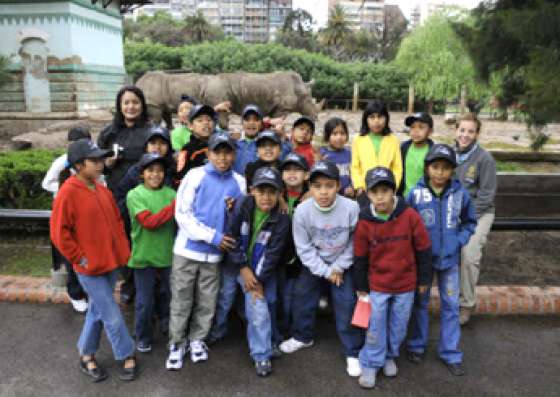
(449, 218)
(270, 243)
(246, 153)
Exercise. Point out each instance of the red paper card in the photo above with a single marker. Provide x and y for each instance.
(362, 312)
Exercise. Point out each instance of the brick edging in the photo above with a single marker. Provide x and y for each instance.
(495, 299)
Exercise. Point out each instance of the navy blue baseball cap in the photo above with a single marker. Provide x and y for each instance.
(148, 159)
(157, 131)
(85, 149)
(441, 151)
(379, 175)
(268, 134)
(305, 119)
(200, 109)
(325, 168)
(420, 116)
(295, 158)
(221, 138)
(252, 109)
(267, 176)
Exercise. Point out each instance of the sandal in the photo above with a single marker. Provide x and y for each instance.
(129, 373)
(90, 368)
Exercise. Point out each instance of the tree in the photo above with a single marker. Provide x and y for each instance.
(437, 62)
(160, 28)
(298, 21)
(198, 29)
(520, 41)
(337, 27)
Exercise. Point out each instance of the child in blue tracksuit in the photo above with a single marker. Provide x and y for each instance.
(449, 215)
(260, 230)
(246, 151)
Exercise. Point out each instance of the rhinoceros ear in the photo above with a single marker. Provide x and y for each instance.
(310, 83)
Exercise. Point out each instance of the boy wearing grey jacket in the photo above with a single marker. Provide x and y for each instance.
(323, 227)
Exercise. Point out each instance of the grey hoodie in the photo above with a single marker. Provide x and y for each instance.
(478, 175)
(323, 240)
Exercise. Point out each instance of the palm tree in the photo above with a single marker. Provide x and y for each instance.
(337, 27)
(198, 28)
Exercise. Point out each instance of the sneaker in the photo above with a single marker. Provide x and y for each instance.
(79, 305)
(143, 347)
(413, 357)
(367, 378)
(292, 345)
(353, 367)
(175, 358)
(276, 352)
(263, 367)
(390, 368)
(465, 315)
(456, 369)
(199, 351)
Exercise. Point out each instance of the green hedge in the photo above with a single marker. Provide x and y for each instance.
(332, 79)
(21, 174)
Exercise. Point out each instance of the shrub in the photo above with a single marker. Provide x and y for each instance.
(21, 174)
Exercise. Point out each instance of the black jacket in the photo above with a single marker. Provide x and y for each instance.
(132, 140)
(292, 263)
(404, 150)
(193, 154)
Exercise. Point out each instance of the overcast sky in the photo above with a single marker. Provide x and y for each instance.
(319, 8)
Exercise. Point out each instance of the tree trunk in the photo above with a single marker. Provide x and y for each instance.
(410, 108)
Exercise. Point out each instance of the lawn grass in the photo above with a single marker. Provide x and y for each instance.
(25, 260)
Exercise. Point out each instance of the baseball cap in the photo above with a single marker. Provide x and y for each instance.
(441, 152)
(158, 131)
(86, 149)
(148, 159)
(267, 176)
(268, 134)
(325, 168)
(378, 175)
(77, 133)
(420, 116)
(295, 158)
(252, 109)
(305, 119)
(221, 138)
(200, 109)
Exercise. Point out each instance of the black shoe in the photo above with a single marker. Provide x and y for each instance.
(276, 352)
(415, 358)
(263, 368)
(456, 369)
(96, 374)
(129, 374)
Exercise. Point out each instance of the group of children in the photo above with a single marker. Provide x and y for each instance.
(276, 219)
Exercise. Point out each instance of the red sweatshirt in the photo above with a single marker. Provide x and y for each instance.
(86, 223)
(306, 150)
(389, 256)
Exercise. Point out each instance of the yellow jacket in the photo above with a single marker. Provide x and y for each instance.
(364, 158)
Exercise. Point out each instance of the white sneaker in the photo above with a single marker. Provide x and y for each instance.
(80, 305)
(353, 367)
(390, 368)
(292, 345)
(199, 351)
(175, 358)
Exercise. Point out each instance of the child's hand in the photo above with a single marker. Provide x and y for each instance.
(359, 294)
(235, 134)
(349, 192)
(257, 292)
(230, 202)
(250, 282)
(227, 243)
(110, 162)
(422, 289)
(223, 107)
(336, 278)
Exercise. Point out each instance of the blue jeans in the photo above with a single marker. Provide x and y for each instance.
(152, 294)
(450, 330)
(103, 313)
(387, 327)
(305, 300)
(226, 297)
(261, 320)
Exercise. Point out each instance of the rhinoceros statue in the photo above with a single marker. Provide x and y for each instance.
(277, 94)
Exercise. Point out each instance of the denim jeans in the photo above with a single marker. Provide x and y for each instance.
(103, 313)
(387, 327)
(305, 300)
(226, 297)
(284, 304)
(450, 330)
(153, 294)
(261, 320)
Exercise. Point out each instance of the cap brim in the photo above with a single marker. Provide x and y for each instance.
(305, 120)
(161, 160)
(381, 182)
(300, 165)
(266, 183)
(228, 144)
(315, 174)
(100, 153)
(203, 110)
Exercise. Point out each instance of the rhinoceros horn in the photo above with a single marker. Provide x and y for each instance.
(321, 104)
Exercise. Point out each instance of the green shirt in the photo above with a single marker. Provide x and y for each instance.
(291, 205)
(376, 140)
(150, 247)
(383, 217)
(259, 218)
(414, 166)
(180, 136)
